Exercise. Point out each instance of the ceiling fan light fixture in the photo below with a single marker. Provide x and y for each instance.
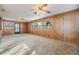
(42, 9)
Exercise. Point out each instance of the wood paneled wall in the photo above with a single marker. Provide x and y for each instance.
(7, 31)
(65, 27)
(23, 28)
(1, 28)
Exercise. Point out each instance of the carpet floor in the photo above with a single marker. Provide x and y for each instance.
(37, 45)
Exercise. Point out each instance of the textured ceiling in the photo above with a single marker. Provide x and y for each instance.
(13, 11)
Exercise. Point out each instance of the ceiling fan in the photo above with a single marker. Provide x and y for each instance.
(2, 10)
(42, 9)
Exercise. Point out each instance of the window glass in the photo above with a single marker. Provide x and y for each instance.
(8, 25)
(44, 25)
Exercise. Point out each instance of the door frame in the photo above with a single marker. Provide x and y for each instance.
(19, 28)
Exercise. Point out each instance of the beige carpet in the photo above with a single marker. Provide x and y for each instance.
(14, 44)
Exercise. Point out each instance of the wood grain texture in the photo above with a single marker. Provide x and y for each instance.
(6, 31)
(24, 27)
(0, 27)
(65, 27)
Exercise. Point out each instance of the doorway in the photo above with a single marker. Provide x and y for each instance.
(17, 28)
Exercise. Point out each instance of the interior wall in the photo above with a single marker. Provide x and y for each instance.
(7, 31)
(0, 28)
(65, 27)
(23, 27)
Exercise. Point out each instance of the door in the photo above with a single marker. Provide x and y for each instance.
(17, 28)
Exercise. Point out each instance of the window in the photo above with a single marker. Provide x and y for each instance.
(8, 25)
(40, 25)
(34, 26)
(45, 25)
(48, 25)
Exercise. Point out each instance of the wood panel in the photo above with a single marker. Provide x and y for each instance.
(71, 27)
(8, 31)
(40, 32)
(65, 27)
(0, 27)
(24, 27)
(1, 32)
(57, 27)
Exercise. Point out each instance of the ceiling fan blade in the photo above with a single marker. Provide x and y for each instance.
(49, 12)
(35, 12)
